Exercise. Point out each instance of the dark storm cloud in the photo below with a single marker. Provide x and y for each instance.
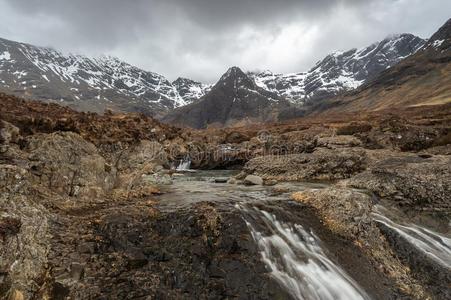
(201, 38)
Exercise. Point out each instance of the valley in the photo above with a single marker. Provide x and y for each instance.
(334, 183)
(122, 206)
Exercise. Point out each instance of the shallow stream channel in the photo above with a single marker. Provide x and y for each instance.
(298, 253)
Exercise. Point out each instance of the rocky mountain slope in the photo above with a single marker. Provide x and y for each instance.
(234, 100)
(282, 96)
(421, 79)
(96, 84)
(341, 70)
(190, 90)
(89, 84)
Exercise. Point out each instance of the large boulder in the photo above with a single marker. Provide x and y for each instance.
(253, 180)
(67, 164)
(140, 155)
(140, 169)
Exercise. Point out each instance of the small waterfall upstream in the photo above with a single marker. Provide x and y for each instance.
(297, 260)
(184, 164)
(433, 244)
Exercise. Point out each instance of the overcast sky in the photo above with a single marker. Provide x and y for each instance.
(200, 39)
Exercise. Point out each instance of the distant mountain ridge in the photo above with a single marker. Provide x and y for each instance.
(96, 84)
(92, 84)
(234, 99)
(421, 79)
(239, 98)
(341, 70)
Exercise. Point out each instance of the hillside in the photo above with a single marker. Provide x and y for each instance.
(421, 79)
(340, 71)
(234, 100)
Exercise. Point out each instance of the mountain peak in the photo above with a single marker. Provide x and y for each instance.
(233, 72)
(236, 78)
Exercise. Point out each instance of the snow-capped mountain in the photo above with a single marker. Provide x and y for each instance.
(234, 100)
(340, 71)
(421, 79)
(92, 84)
(190, 90)
(96, 84)
(239, 98)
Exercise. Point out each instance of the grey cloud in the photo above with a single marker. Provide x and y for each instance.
(202, 38)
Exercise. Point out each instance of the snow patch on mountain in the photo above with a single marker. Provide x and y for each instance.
(340, 70)
(77, 78)
(5, 55)
(437, 43)
(190, 90)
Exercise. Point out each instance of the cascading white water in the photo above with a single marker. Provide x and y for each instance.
(184, 164)
(297, 260)
(436, 246)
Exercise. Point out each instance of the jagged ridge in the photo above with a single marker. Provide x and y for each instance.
(340, 71)
(88, 83)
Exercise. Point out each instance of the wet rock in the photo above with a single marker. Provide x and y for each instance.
(212, 256)
(253, 180)
(434, 275)
(59, 291)
(421, 183)
(232, 181)
(322, 164)
(221, 179)
(348, 213)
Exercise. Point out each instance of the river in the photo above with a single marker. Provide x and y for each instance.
(298, 255)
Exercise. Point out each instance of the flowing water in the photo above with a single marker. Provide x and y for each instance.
(293, 255)
(184, 164)
(297, 260)
(434, 244)
(292, 252)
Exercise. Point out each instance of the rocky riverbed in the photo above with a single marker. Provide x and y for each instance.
(100, 207)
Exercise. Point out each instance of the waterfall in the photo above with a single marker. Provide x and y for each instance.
(184, 164)
(433, 244)
(297, 261)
